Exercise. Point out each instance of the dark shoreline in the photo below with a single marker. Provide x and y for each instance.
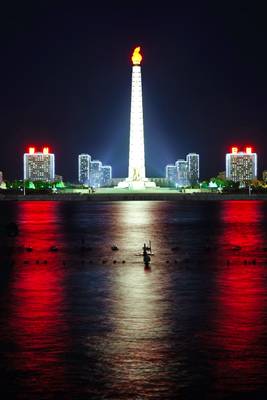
(134, 197)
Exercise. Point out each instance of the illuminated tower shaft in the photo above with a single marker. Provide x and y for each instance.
(137, 148)
(136, 174)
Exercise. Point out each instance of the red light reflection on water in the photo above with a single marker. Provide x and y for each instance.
(239, 312)
(38, 299)
(39, 227)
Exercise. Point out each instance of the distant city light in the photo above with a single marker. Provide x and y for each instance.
(234, 150)
(46, 150)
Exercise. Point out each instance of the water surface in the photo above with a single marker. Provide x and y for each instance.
(85, 322)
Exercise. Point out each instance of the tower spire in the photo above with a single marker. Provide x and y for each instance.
(137, 148)
(136, 172)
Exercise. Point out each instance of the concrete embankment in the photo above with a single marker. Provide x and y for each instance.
(133, 197)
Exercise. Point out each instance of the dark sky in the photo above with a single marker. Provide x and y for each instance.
(66, 74)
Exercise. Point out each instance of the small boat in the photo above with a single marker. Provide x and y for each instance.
(140, 254)
(29, 249)
(53, 248)
(146, 259)
(236, 248)
(146, 255)
(114, 247)
(148, 249)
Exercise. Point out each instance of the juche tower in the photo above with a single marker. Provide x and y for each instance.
(136, 172)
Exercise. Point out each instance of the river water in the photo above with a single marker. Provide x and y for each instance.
(86, 322)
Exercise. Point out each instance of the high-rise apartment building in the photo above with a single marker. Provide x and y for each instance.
(95, 173)
(184, 172)
(106, 175)
(92, 172)
(39, 166)
(192, 160)
(241, 166)
(171, 173)
(84, 168)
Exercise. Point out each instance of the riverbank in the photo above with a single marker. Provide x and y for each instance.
(131, 196)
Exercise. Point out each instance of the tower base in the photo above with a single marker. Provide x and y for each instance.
(136, 185)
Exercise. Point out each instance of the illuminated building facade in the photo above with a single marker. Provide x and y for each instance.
(184, 172)
(192, 160)
(92, 172)
(2, 183)
(84, 168)
(39, 166)
(95, 173)
(136, 171)
(241, 166)
(171, 173)
(106, 175)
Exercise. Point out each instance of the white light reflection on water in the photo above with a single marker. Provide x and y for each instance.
(140, 312)
(135, 223)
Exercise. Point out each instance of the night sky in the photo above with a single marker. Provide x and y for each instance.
(66, 80)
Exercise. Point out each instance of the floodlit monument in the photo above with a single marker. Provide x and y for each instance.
(136, 173)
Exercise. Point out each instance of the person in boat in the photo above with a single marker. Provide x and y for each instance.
(147, 248)
(146, 257)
